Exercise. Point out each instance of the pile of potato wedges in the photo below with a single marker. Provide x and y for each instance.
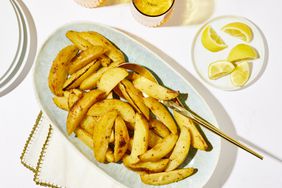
(115, 108)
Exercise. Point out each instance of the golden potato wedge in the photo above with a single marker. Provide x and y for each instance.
(112, 137)
(197, 140)
(85, 57)
(156, 166)
(88, 123)
(78, 77)
(153, 139)
(101, 135)
(142, 71)
(74, 96)
(79, 110)
(140, 138)
(59, 69)
(110, 79)
(180, 151)
(121, 139)
(123, 108)
(110, 96)
(85, 137)
(161, 113)
(97, 39)
(91, 81)
(110, 156)
(159, 128)
(105, 61)
(153, 89)
(62, 102)
(163, 178)
(78, 41)
(160, 150)
(120, 90)
(135, 98)
(130, 144)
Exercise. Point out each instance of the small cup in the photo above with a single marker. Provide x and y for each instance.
(90, 3)
(149, 17)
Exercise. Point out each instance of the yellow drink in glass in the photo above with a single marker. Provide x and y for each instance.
(152, 13)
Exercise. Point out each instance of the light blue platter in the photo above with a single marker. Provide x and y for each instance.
(205, 162)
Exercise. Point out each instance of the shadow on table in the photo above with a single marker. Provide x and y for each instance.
(228, 152)
(191, 12)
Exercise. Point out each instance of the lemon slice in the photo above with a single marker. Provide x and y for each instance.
(239, 30)
(219, 69)
(242, 52)
(212, 41)
(241, 74)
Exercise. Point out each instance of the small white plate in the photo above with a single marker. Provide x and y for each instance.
(202, 57)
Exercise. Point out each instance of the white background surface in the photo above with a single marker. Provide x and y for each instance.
(252, 115)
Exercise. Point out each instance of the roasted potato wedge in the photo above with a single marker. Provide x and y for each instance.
(85, 137)
(78, 77)
(78, 41)
(112, 137)
(197, 140)
(140, 138)
(85, 57)
(160, 150)
(123, 108)
(97, 39)
(91, 81)
(110, 79)
(164, 178)
(101, 135)
(59, 69)
(153, 89)
(153, 139)
(105, 61)
(88, 123)
(142, 71)
(134, 97)
(180, 151)
(156, 166)
(74, 96)
(159, 128)
(161, 113)
(62, 102)
(79, 110)
(121, 139)
(110, 156)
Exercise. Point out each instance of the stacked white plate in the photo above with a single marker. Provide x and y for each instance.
(14, 45)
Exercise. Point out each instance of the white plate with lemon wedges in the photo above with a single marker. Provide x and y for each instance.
(229, 52)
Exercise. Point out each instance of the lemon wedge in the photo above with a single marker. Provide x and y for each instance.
(212, 41)
(239, 30)
(219, 69)
(242, 52)
(241, 74)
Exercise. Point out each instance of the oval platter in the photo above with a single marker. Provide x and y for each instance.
(205, 162)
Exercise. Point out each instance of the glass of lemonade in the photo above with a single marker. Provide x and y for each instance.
(152, 13)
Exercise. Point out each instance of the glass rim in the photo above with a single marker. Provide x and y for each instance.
(153, 15)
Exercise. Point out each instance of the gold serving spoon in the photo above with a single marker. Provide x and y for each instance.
(190, 114)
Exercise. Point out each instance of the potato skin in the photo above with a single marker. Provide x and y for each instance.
(59, 69)
(164, 178)
(80, 108)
